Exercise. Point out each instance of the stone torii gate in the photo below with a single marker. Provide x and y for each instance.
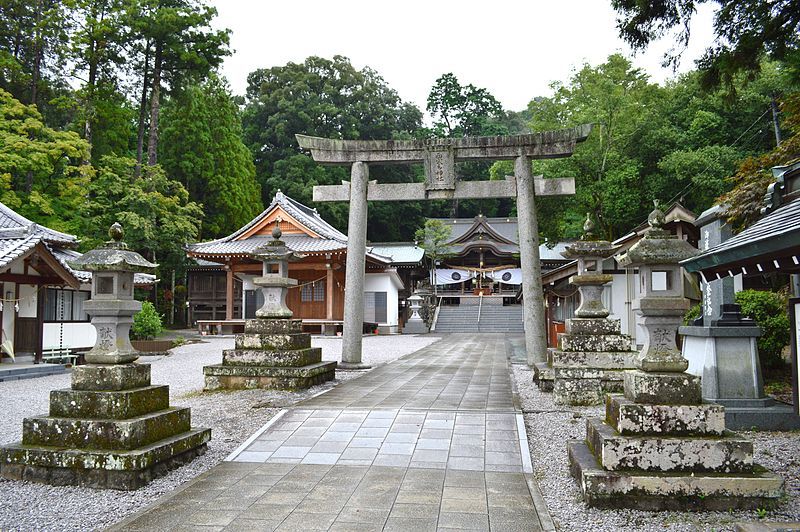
(439, 157)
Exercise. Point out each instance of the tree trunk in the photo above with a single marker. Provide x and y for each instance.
(142, 112)
(152, 143)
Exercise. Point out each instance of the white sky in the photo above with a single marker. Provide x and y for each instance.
(512, 48)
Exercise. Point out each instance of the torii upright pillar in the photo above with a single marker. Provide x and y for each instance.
(354, 269)
(533, 295)
(439, 156)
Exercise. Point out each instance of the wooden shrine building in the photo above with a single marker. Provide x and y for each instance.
(221, 290)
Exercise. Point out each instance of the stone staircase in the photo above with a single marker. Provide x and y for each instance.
(493, 319)
(13, 372)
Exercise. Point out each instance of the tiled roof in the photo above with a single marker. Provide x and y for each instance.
(13, 248)
(399, 253)
(506, 227)
(331, 238)
(305, 215)
(14, 225)
(298, 243)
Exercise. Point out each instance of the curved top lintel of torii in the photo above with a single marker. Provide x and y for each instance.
(540, 145)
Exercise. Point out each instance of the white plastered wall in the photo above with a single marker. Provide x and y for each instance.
(384, 282)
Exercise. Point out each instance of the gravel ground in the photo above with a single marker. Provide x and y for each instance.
(549, 426)
(232, 416)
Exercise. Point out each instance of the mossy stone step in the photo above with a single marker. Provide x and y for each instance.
(122, 404)
(269, 377)
(627, 417)
(124, 470)
(655, 491)
(277, 358)
(108, 434)
(273, 341)
(728, 453)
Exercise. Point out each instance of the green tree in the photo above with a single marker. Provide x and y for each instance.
(155, 211)
(33, 38)
(433, 237)
(40, 168)
(327, 98)
(768, 309)
(463, 110)
(146, 323)
(97, 52)
(746, 32)
(218, 169)
(174, 44)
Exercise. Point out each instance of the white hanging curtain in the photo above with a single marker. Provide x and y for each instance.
(507, 276)
(453, 276)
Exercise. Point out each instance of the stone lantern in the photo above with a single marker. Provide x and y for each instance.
(592, 353)
(659, 447)
(590, 254)
(112, 305)
(273, 352)
(661, 304)
(112, 428)
(415, 323)
(275, 281)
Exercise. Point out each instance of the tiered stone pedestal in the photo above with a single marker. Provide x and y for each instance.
(589, 363)
(272, 354)
(673, 455)
(112, 429)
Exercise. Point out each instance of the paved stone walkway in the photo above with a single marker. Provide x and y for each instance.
(432, 441)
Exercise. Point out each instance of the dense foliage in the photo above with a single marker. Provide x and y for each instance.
(768, 309)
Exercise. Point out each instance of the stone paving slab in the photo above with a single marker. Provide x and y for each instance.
(491, 441)
(301, 497)
(459, 372)
(433, 441)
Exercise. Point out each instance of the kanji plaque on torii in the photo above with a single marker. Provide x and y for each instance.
(439, 156)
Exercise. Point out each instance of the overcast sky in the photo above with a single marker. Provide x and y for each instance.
(515, 49)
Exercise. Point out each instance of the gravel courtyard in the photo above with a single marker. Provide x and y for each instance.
(232, 416)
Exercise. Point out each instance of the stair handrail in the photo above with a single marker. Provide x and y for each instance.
(436, 314)
(480, 307)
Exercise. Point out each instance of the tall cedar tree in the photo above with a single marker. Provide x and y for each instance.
(327, 98)
(202, 148)
(174, 44)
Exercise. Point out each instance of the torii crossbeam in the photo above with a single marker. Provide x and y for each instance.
(439, 157)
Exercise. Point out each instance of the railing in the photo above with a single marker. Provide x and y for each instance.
(480, 307)
(436, 314)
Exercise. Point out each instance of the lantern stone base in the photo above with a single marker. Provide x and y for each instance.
(655, 491)
(112, 429)
(589, 363)
(271, 354)
(657, 456)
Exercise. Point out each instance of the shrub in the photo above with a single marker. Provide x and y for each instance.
(768, 309)
(146, 323)
(694, 312)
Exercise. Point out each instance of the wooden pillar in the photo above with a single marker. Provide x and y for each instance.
(229, 292)
(40, 293)
(329, 291)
